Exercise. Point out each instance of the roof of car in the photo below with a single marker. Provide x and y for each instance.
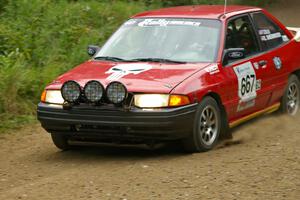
(198, 11)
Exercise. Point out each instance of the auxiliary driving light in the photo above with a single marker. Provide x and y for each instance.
(71, 91)
(116, 92)
(93, 91)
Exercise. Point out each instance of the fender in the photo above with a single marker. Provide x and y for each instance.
(207, 81)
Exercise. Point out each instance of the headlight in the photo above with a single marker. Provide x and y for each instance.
(52, 96)
(93, 91)
(71, 91)
(151, 100)
(116, 92)
(160, 100)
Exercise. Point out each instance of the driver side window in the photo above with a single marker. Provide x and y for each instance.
(240, 34)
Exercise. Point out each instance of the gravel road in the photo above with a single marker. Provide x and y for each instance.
(260, 162)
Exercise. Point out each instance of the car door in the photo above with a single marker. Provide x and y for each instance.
(276, 53)
(250, 92)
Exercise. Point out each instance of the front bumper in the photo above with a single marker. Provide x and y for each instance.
(87, 122)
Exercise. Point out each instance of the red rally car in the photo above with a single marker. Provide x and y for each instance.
(185, 73)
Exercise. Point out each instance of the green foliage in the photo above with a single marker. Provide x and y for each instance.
(167, 3)
(40, 39)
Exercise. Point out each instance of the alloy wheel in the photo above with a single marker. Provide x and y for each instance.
(293, 99)
(208, 125)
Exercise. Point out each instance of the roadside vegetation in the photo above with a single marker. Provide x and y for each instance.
(40, 39)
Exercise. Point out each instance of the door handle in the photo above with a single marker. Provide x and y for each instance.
(262, 63)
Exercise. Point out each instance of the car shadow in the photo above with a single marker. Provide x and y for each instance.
(112, 153)
(129, 150)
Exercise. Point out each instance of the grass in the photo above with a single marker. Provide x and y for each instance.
(15, 122)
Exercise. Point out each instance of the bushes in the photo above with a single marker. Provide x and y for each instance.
(167, 3)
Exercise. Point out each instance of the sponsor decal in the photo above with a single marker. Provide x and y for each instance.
(213, 69)
(285, 38)
(165, 22)
(248, 85)
(277, 62)
(168, 86)
(258, 84)
(264, 32)
(236, 54)
(246, 105)
(256, 65)
(130, 22)
(266, 35)
(246, 81)
(121, 70)
(271, 36)
(263, 38)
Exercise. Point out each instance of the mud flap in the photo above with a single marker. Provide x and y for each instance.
(226, 133)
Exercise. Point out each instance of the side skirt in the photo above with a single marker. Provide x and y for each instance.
(268, 110)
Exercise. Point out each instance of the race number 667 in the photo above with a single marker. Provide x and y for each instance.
(247, 84)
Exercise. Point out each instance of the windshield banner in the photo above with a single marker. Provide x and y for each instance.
(163, 22)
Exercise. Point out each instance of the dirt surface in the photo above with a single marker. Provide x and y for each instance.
(261, 162)
(287, 11)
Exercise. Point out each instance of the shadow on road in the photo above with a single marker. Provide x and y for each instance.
(112, 153)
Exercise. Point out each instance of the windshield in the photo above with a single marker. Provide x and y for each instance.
(182, 40)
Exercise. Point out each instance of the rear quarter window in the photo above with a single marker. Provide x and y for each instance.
(270, 34)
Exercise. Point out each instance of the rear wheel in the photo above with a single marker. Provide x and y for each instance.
(291, 98)
(207, 127)
(60, 141)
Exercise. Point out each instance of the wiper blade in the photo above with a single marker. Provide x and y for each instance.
(161, 60)
(111, 58)
(116, 59)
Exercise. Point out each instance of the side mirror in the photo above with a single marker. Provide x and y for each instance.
(92, 50)
(233, 54)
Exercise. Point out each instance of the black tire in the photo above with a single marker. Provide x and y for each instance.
(60, 141)
(289, 102)
(202, 131)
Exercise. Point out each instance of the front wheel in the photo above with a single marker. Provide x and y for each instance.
(291, 98)
(207, 127)
(60, 141)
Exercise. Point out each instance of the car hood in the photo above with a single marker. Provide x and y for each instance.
(137, 77)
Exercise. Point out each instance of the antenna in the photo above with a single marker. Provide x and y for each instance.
(225, 7)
